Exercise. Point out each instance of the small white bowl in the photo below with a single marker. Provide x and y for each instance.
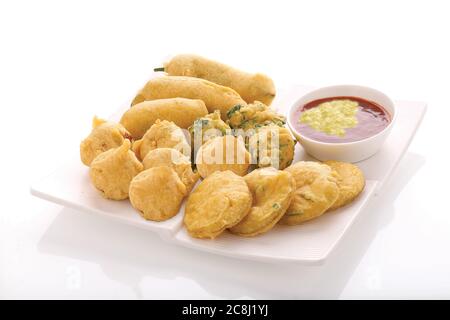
(344, 151)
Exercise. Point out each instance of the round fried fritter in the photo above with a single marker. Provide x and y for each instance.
(316, 191)
(105, 135)
(219, 202)
(174, 159)
(157, 193)
(253, 116)
(272, 146)
(207, 128)
(162, 134)
(351, 182)
(112, 171)
(221, 154)
(272, 192)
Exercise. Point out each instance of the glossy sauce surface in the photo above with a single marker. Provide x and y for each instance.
(372, 119)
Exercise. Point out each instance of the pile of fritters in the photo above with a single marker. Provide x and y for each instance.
(150, 157)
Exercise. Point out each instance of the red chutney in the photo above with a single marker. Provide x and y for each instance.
(372, 119)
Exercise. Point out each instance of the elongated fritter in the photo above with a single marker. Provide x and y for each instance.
(215, 97)
(251, 87)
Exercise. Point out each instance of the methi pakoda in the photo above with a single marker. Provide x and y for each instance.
(157, 193)
(253, 116)
(208, 127)
(272, 192)
(162, 134)
(350, 181)
(219, 202)
(112, 171)
(272, 146)
(251, 87)
(215, 97)
(221, 154)
(104, 136)
(174, 159)
(138, 119)
(316, 191)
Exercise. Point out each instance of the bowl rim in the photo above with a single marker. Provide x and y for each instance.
(302, 136)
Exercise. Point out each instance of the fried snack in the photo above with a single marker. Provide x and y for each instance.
(272, 146)
(215, 97)
(272, 192)
(253, 116)
(208, 127)
(351, 182)
(138, 119)
(219, 202)
(251, 87)
(163, 134)
(221, 154)
(112, 171)
(104, 136)
(157, 193)
(316, 191)
(174, 159)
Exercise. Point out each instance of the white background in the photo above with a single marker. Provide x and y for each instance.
(61, 62)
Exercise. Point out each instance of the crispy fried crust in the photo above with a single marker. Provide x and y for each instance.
(162, 134)
(105, 135)
(219, 202)
(215, 97)
(316, 191)
(351, 182)
(221, 154)
(138, 119)
(251, 87)
(175, 160)
(272, 192)
(157, 193)
(112, 171)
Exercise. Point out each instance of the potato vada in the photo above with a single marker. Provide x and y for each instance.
(221, 154)
(272, 192)
(174, 159)
(112, 171)
(105, 135)
(219, 202)
(316, 191)
(162, 134)
(157, 193)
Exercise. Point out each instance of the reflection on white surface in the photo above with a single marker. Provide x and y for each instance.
(141, 265)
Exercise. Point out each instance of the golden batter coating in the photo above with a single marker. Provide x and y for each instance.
(215, 97)
(272, 192)
(251, 87)
(221, 154)
(219, 202)
(208, 127)
(253, 116)
(105, 135)
(175, 160)
(138, 119)
(272, 146)
(351, 182)
(112, 171)
(316, 191)
(157, 193)
(163, 134)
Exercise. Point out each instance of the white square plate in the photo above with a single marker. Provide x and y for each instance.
(309, 243)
